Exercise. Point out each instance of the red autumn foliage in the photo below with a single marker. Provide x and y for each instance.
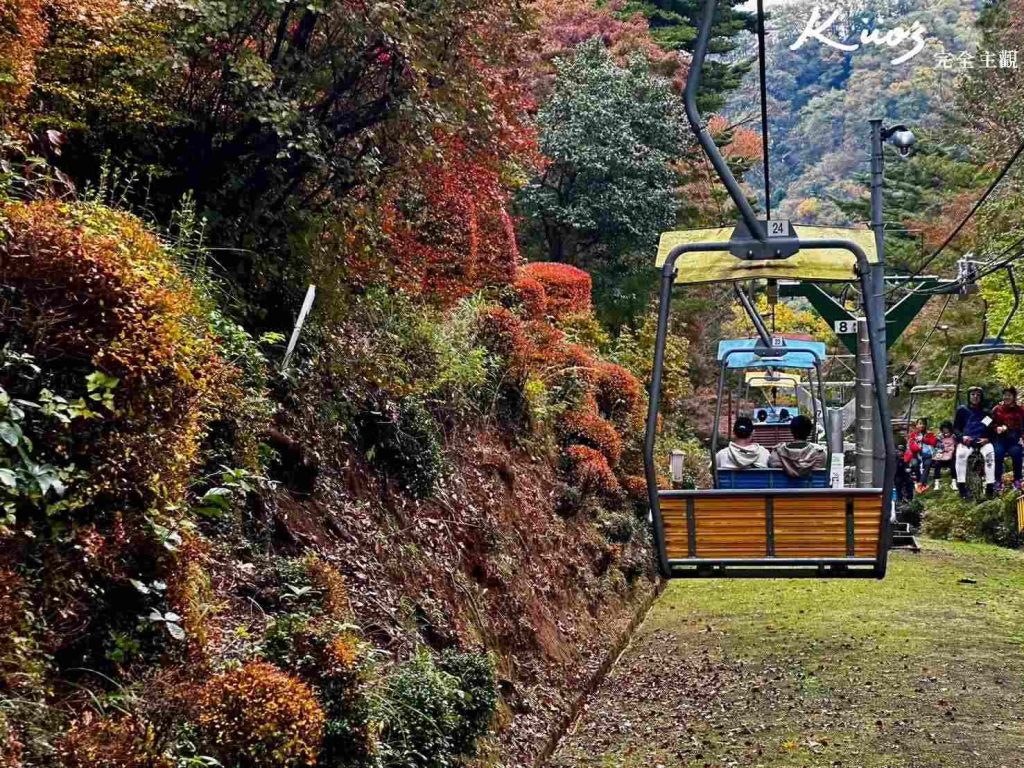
(619, 395)
(588, 470)
(586, 427)
(567, 288)
(449, 227)
(546, 346)
(531, 297)
(564, 24)
(580, 361)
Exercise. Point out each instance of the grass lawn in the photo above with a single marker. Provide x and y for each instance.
(923, 669)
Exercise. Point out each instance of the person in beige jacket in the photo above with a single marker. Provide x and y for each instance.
(742, 452)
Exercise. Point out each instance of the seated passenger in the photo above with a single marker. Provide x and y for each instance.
(762, 416)
(783, 415)
(798, 457)
(742, 452)
(972, 424)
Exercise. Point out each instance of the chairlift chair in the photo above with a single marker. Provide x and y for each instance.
(767, 367)
(765, 532)
(992, 346)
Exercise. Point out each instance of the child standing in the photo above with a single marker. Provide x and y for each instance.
(904, 482)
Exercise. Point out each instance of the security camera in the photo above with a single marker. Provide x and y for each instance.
(903, 140)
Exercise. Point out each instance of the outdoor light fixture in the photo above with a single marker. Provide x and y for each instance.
(675, 465)
(900, 137)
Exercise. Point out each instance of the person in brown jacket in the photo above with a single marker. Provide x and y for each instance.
(799, 457)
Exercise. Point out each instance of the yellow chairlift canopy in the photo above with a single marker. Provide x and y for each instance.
(812, 264)
(771, 379)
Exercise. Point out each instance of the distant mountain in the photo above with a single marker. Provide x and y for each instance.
(821, 98)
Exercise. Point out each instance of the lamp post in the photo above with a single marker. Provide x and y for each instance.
(903, 139)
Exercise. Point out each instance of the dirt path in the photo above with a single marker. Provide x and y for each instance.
(925, 669)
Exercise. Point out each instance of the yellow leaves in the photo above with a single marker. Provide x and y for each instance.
(261, 717)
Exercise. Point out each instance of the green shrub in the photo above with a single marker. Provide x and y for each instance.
(569, 500)
(404, 440)
(433, 712)
(330, 657)
(475, 707)
(993, 521)
(389, 343)
(618, 527)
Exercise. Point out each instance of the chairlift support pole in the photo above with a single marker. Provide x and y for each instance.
(865, 413)
(754, 226)
(877, 295)
(754, 315)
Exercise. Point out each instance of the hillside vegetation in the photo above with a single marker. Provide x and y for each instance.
(416, 542)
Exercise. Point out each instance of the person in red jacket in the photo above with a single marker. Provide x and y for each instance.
(1008, 425)
(920, 449)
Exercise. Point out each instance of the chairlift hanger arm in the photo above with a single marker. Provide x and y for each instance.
(700, 52)
(754, 315)
(1016, 302)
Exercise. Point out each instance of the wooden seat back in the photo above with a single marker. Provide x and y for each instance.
(771, 435)
(781, 523)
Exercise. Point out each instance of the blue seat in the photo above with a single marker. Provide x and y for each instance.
(769, 478)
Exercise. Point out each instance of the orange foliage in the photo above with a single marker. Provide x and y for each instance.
(745, 143)
(620, 395)
(586, 427)
(98, 291)
(22, 34)
(635, 486)
(111, 742)
(567, 288)
(260, 717)
(935, 229)
(332, 584)
(343, 653)
(24, 28)
(589, 470)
